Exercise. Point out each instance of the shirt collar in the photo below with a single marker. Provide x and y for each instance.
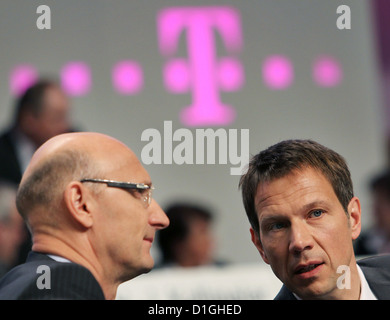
(58, 258)
(365, 290)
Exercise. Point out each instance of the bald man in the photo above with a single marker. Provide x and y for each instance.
(87, 201)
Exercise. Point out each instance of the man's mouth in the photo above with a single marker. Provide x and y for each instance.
(307, 268)
(150, 239)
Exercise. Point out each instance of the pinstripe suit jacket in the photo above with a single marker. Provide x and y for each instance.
(376, 270)
(67, 281)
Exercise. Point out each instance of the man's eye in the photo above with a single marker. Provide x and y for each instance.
(138, 193)
(277, 226)
(316, 213)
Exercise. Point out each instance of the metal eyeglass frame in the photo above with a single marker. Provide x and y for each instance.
(126, 185)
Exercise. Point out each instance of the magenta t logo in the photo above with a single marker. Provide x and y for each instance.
(202, 72)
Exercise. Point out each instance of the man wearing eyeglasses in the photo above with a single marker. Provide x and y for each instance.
(87, 201)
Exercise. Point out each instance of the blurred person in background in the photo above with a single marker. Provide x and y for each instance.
(41, 112)
(376, 240)
(12, 231)
(189, 240)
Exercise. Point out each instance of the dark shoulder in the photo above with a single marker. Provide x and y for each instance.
(378, 261)
(285, 294)
(5, 139)
(49, 279)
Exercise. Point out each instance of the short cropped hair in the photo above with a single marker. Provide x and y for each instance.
(287, 156)
(45, 185)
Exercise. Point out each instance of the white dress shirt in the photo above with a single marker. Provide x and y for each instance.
(365, 290)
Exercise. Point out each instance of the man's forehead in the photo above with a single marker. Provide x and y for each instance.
(297, 185)
(135, 173)
(124, 166)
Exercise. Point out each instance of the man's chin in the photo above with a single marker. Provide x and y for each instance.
(133, 272)
(148, 266)
(313, 291)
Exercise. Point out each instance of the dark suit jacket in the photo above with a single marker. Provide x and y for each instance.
(9, 165)
(376, 270)
(10, 171)
(67, 281)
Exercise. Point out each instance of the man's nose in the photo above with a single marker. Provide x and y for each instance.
(300, 238)
(158, 218)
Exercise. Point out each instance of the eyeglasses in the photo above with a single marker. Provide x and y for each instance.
(147, 196)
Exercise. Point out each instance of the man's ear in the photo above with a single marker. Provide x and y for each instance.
(255, 237)
(354, 212)
(77, 200)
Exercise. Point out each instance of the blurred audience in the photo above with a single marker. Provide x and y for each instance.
(12, 231)
(376, 240)
(189, 239)
(41, 112)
